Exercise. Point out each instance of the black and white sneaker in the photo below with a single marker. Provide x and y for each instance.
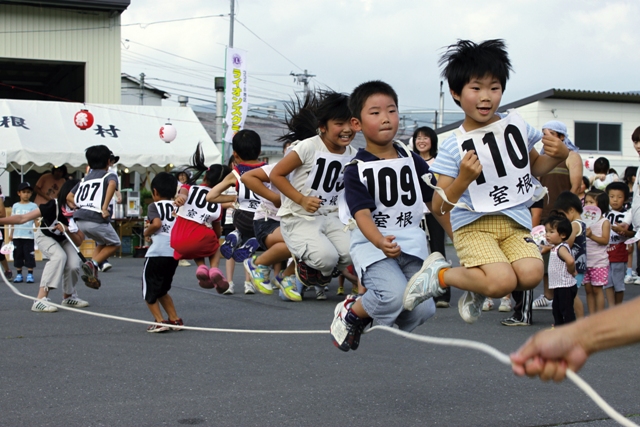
(512, 321)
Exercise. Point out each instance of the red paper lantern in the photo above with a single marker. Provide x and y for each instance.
(83, 119)
(168, 133)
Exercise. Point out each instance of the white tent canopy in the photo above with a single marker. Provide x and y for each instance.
(40, 134)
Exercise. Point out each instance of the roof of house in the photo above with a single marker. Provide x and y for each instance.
(576, 95)
(147, 86)
(103, 5)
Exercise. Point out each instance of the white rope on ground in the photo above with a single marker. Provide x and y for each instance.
(501, 357)
(485, 348)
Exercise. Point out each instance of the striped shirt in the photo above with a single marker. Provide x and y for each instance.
(448, 163)
(559, 277)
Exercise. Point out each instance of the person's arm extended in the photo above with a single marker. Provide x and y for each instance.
(279, 178)
(574, 164)
(549, 353)
(385, 243)
(254, 180)
(111, 190)
(565, 255)
(22, 218)
(454, 188)
(554, 152)
(215, 194)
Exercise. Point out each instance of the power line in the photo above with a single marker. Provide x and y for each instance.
(173, 54)
(262, 40)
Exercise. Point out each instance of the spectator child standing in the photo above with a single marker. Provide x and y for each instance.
(598, 233)
(159, 264)
(384, 182)
(91, 199)
(22, 235)
(618, 192)
(196, 231)
(311, 179)
(562, 268)
(491, 232)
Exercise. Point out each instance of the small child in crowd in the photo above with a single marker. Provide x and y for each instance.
(488, 188)
(562, 268)
(570, 206)
(603, 174)
(159, 264)
(22, 235)
(91, 198)
(241, 243)
(385, 250)
(618, 192)
(598, 233)
(311, 179)
(195, 234)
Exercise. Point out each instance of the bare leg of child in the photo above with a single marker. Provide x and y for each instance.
(167, 303)
(578, 308)
(155, 311)
(598, 294)
(619, 296)
(591, 298)
(611, 296)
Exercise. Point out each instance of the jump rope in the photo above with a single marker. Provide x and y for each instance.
(454, 342)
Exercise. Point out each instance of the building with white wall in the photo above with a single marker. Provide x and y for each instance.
(136, 92)
(599, 123)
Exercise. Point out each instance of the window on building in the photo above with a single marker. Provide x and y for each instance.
(598, 136)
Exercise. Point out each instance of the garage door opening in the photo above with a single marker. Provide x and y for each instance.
(42, 80)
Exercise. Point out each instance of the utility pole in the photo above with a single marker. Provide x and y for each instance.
(303, 78)
(141, 88)
(231, 16)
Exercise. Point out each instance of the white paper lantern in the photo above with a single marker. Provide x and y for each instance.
(168, 133)
(589, 163)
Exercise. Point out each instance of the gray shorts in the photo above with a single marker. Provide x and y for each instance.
(102, 232)
(617, 270)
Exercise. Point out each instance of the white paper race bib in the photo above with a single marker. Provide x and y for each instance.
(326, 178)
(247, 199)
(165, 211)
(615, 218)
(90, 194)
(395, 188)
(503, 151)
(197, 209)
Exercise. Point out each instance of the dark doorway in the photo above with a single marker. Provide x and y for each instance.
(41, 80)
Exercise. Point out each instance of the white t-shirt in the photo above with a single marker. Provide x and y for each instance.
(267, 209)
(308, 151)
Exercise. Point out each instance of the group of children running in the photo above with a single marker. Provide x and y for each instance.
(334, 210)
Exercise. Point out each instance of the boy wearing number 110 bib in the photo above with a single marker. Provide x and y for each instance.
(486, 180)
(385, 195)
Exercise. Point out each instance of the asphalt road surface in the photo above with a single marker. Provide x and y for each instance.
(69, 369)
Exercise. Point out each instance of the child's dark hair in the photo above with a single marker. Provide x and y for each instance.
(65, 190)
(567, 200)
(305, 116)
(247, 144)
(212, 174)
(98, 156)
(601, 165)
(602, 200)
(366, 90)
(618, 185)
(559, 222)
(165, 184)
(635, 136)
(431, 134)
(466, 60)
(629, 173)
(586, 182)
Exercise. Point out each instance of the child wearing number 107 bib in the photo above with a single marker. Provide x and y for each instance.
(385, 194)
(486, 181)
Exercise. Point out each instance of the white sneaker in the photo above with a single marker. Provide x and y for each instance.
(470, 306)
(630, 279)
(637, 281)
(183, 263)
(320, 293)
(40, 305)
(542, 303)
(249, 289)
(505, 304)
(487, 305)
(106, 266)
(74, 301)
(229, 291)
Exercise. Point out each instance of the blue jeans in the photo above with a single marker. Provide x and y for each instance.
(386, 281)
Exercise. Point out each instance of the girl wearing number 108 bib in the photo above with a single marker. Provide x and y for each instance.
(487, 169)
(311, 179)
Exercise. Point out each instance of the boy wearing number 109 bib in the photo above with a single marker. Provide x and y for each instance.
(385, 195)
(486, 180)
(91, 197)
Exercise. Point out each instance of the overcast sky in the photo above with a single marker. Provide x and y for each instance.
(581, 45)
